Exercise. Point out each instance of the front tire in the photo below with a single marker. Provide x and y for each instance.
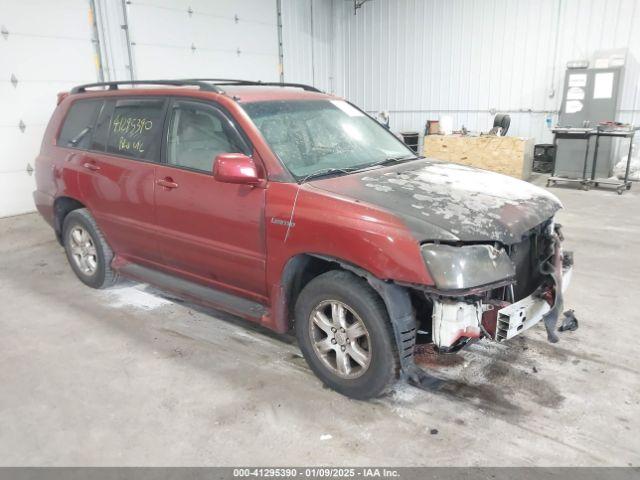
(344, 333)
(87, 250)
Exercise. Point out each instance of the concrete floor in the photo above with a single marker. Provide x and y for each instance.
(128, 377)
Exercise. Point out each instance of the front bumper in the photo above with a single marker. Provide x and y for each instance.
(455, 322)
(524, 314)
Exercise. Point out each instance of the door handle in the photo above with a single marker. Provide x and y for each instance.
(167, 183)
(91, 166)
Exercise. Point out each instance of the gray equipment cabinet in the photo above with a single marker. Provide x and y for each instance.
(590, 96)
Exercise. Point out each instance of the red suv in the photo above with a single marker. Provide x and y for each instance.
(295, 209)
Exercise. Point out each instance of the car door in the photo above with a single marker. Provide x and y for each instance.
(119, 175)
(209, 231)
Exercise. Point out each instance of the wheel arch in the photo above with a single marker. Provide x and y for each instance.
(302, 268)
(62, 206)
(298, 271)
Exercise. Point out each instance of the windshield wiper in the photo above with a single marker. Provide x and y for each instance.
(392, 160)
(332, 171)
(325, 172)
(388, 161)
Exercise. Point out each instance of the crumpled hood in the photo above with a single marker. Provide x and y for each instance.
(446, 201)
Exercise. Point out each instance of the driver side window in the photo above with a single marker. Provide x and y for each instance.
(197, 134)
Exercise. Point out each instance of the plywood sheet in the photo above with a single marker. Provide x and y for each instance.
(507, 155)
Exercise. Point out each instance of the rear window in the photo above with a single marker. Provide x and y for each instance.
(77, 128)
(135, 128)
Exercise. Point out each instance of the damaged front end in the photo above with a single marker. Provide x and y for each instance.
(495, 291)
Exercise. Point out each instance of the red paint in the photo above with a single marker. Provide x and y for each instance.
(236, 230)
(468, 332)
(212, 232)
(61, 97)
(235, 168)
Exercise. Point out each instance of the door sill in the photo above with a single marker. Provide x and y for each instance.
(195, 292)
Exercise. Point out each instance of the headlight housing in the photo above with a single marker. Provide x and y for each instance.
(469, 266)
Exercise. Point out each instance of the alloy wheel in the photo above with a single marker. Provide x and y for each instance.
(340, 339)
(83, 250)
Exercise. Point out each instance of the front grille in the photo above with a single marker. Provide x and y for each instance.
(527, 257)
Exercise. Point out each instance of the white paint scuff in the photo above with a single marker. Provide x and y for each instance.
(136, 296)
(326, 437)
(476, 202)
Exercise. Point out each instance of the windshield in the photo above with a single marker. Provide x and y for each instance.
(311, 136)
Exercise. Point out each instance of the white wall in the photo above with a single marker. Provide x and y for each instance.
(424, 58)
(191, 38)
(47, 52)
(308, 42)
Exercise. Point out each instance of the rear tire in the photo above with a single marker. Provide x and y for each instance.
(333, 307)
(87, 250)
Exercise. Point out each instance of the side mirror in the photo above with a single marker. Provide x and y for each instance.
(235, 168)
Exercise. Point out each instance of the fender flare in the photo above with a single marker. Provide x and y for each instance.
(62, 206)
(399, 308)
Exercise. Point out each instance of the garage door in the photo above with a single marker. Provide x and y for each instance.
(224, 39)
(45, 48)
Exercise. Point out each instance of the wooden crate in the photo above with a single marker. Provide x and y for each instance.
(508, 155)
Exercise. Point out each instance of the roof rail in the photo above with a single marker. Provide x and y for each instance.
(258, 83)
(173, 83)
(303, 86)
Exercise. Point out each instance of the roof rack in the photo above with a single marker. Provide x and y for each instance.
(208, 84)
(257, 83)
(173, 83)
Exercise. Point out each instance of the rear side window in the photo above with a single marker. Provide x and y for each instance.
(101, 130)
(79, 123)
(135, 128)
